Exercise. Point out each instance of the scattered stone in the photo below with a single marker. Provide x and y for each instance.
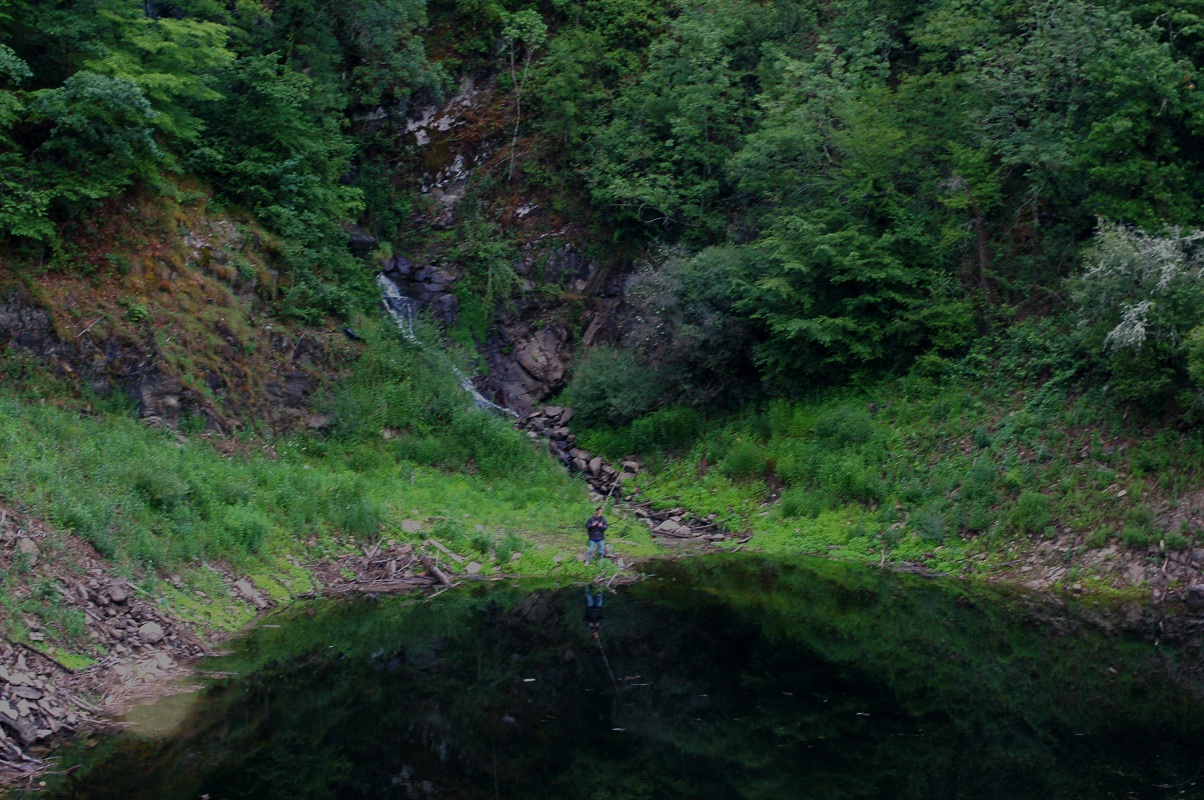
(248, 591)
(473, 568)
(151, 633)
(29, 548)
(411, 526)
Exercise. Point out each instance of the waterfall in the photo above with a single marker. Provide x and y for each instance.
(403, 310)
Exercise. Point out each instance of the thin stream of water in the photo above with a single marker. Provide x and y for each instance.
(403, 311)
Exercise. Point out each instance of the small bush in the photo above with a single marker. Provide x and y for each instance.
(1030, 513)
(744, 460)
(799, 464)
(931, 522)
(851, 480)
(1139, 530)
(1174, 540)
(844, 426)
(247, 527)
(509, 545)
(979, 518)
(982, 437)
(805, 503)
(449, 531)
(480, 542)
(1137, 536)
(668, 429)
(979, 483)
(611, 386)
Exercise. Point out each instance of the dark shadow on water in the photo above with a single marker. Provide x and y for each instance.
(718, 678)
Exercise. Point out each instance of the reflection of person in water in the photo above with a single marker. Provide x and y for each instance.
(593, 612)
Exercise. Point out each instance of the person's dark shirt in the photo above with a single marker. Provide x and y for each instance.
(596, 527)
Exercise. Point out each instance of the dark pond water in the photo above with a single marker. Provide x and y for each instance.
(719, 678)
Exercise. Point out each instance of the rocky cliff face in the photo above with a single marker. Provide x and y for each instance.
(108, 361)
(563, 301)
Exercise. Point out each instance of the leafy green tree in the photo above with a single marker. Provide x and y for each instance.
(176, 63)
(682, 321)
(835, 299)
(661, 160)
(23, 204)
(100, 138)
(525, 31)
(1090, 107)
(1140, 298)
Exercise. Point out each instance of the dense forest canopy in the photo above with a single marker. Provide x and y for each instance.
(825, 190)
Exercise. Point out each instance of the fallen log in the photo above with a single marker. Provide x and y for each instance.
(435, 571)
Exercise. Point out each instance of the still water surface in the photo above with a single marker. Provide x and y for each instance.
(718, 678)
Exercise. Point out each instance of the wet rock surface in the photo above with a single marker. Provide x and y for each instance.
(430, 285)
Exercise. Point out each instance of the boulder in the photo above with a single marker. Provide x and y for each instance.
(440, 277)
(360, 242)
(151, 633)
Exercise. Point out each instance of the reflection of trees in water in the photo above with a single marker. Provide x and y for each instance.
(774, 681)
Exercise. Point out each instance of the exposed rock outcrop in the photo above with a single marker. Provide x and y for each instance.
(132, 364)
(429, 285)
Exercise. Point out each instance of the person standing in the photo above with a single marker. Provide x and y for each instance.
(596, 528)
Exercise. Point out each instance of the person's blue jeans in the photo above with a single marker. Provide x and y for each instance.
(595, 546)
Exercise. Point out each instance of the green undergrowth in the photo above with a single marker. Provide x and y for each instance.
(407, 458)
(959, 466)
(153, 499)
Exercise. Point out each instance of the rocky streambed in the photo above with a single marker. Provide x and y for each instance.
(607, 482)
